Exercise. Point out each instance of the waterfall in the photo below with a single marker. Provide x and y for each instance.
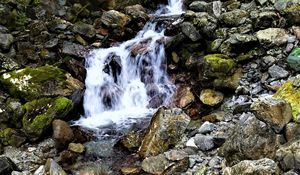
(128, 81)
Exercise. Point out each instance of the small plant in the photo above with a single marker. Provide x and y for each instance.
(21, 18)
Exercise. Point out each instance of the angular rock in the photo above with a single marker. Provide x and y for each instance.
(34, 83)
(175, 155)
(62, 133)
(113, 18)
(204, 143)
(184, 97)
(39, 114)
(234, 18)
(211, 97)
(254, 167)
(292, 131)
(272, 37)
(84, 29)
(294, 59)
(290, 91)
(288, 155)
(278, 72)
(166, 129)
(73, 49)
(6, 166)
(206, 127)
(132, 140)
(190, 31)
(156, 164)
(249, 140)
(204, 23)
(53, 168)
(7, 63)
(5, 41)
(276, 113)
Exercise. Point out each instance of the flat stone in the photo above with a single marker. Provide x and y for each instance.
(272, 36)
(73, 49)
(278, 72)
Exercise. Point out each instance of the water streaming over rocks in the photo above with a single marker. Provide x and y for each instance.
(128, 81)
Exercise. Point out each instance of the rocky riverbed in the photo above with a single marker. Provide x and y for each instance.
(236, 109)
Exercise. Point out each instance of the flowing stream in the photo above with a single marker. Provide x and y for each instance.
(128, 81)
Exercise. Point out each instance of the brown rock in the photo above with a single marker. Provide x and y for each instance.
(62, 133)
(211, 97)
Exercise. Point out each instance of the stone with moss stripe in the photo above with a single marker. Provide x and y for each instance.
(34, 83)
(40, 114)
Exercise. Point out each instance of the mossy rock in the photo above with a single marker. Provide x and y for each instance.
(216, 65)
(290, 91)
(9, 136)
(40, 114)
(34, 83)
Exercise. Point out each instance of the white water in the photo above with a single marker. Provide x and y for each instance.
(121, 84)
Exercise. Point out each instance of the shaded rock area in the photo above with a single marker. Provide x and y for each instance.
(235, 111)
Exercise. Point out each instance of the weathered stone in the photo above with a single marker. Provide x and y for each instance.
(292, 131)
(175, 155)
(274, 112)
(156, 164)
(294, 59)
(6, 166)
(9, 136)
(62, 133)
(99, 149)
(206, 127)
(184, 97)
(34, 83)
(190, 31)
(76, 147)
(290, 8)
(265, 19)
(288, 155)
(73, 49)
(211, 97)
(132, 140)
(204, 143)
(39, 114)
(53, 168)
(272, 36)
(234, 18)
(199, 6)
(166, 128)
(229, 82)
(114, 18)
(250, 140)
(278, 72)
(131, 170)
(7, 63)
(254, 167)
(290, 91)
(84, 29)
(5, 41)
(137, 12)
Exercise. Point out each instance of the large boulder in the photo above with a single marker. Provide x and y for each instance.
(34, 83)
(39, 114)
(254, 167)
(290, 91)
(166, 129)
(251, 139)
(288, 155)
(275, 112)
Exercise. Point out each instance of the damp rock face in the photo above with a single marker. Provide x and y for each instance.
(166, 129)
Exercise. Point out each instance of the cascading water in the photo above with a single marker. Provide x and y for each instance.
(128, 81)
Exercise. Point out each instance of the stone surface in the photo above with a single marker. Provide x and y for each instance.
(72, 49)
(166, 129)
(76, 147)
(206, 127)
(53, 168)
(184, 97)
(254, 167)
(6, 166)
(274, 112)
(249, 140)
(278, 72)
(290, 91)
(211, 97)
(62, 133)
(5, 41)
(39, 114)
(113, 18)
(272, 36)
(294, 59)
(190, 31)
(84, 29)
(204, 143)
(288, 155)
(155, 164)
(34, 83)
(99, 149)
(234, 18)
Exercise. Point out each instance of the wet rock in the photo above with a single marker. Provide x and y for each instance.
(278, 72)
(274, 112)
(6, 166)
(254, 167)
(290, 91)
(53, 168)
(234, 18)
(84, 29)
(12, 137)
(288, 155)
(166, 129)
(62, 133)
(272, 36)
(99, 149)
(211, 97)
(250, 140)
(206, 127)
(73, 49)
(5, 41)
(217, 65)
(190, 31)
(114, 19)
(76, 147)
(294, 59)
(34, 83)
(156, 164)
(184, 97)
(39, 114)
